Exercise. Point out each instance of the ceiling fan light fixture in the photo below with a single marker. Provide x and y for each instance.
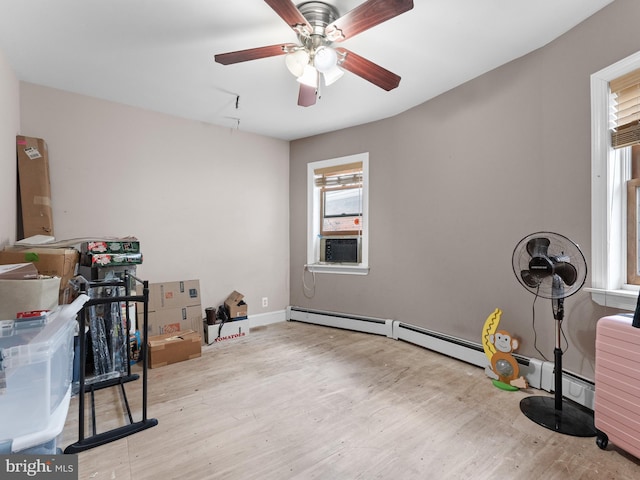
(309, 76)
(297, 61)
(332, 75)
(325, 59)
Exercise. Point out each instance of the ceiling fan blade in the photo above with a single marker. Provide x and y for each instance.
(365, 16)
(368, 70)
(567, 272)
(253, 53)
(306, 95)
(291, 15)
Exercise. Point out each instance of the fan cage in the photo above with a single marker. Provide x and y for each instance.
(561, 248)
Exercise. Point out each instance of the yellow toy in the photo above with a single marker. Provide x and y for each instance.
(498, 346)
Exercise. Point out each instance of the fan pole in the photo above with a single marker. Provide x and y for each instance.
(557, 414)
(558, 314)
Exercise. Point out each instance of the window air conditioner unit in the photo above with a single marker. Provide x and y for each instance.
(342, 249)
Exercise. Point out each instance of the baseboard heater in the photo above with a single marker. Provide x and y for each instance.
(539, 374)
(341, 320)
(463, 350)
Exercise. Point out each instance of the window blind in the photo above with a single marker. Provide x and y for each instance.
(348, 174)
(626, 115)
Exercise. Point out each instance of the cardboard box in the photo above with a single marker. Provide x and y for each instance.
(171, 320)
(18, 271)
(184, 293)
(173, 347)
(109, 246)
(222, 332)
(235, 305)
(110, 259)
(53, 262)
(173, 306)
(34, 186)
(27, 295)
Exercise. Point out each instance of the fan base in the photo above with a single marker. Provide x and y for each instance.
(571, 420)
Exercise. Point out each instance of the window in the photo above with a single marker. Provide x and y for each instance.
(633, 222)
(625, 134)
(611, 169)
(341, 201)
(337, 202)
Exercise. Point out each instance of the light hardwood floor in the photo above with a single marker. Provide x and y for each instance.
(298, 401)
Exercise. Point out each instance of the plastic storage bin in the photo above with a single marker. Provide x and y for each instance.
(36, 361)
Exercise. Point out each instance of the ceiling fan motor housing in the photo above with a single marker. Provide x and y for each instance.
(319, 15)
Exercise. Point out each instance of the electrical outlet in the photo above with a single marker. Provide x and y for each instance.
(265, 302)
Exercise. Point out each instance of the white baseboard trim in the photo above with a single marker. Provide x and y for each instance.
(262, 319)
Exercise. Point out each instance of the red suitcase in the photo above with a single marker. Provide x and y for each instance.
(617, 377)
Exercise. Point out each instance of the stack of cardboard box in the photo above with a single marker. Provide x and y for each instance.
(174, 307)
(52, 262)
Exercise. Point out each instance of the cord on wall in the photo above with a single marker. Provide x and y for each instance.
(305, 288)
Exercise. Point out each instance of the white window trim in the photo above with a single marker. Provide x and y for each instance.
(609, 172)
(313, 218)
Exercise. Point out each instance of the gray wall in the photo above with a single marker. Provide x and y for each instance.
(456, 182)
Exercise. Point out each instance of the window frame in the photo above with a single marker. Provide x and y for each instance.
(633, 196)
(610, 169)
(314, 216)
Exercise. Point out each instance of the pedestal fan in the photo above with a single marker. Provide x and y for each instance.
(551, 266)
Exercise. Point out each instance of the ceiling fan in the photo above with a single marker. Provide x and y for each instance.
(318, 25)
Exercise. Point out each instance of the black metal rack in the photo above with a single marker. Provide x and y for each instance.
(96, 439)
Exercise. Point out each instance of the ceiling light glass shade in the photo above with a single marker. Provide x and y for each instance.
(325, 59)
(296, 61)
(309, 77)
(332, 75)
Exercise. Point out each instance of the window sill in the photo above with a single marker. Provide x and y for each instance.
(623, 299)
(338, 268)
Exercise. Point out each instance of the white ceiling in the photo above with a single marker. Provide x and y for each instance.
(158, 55)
